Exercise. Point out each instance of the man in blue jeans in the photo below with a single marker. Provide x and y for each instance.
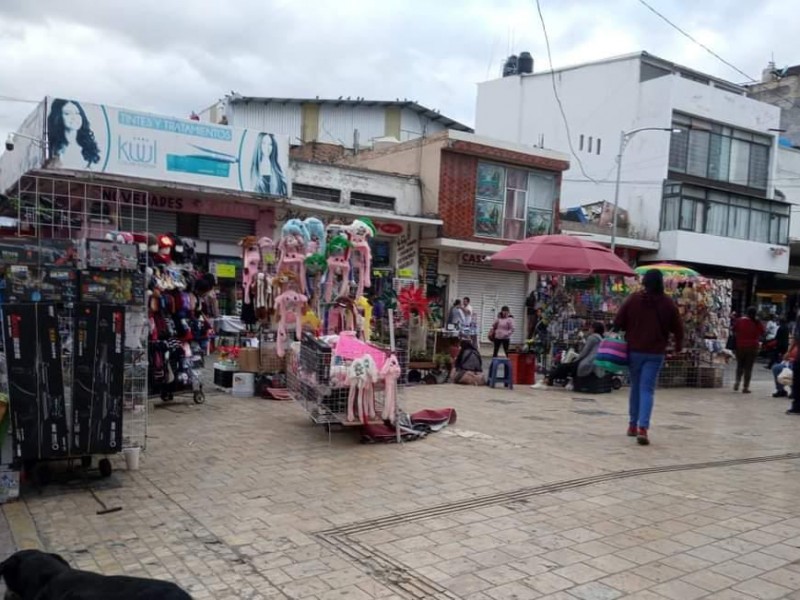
(647, 318)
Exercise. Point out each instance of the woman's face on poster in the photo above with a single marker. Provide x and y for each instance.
(71, 116)
(266, 146)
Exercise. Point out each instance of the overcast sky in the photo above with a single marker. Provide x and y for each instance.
(174, 57)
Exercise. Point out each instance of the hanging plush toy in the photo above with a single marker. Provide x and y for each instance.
(390, 372)
(165, 245)
(360, 232)
(362, 375)
(251, 258)
(315, 268)
(290, 306)
(338, 266)
(365, 311)
(292, 247)
(317, 238)
(267, 248)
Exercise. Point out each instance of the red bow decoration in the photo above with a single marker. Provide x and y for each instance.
(412, 301)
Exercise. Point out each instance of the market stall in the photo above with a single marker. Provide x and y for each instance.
(319, 325)
(73, 302)
(705, 308)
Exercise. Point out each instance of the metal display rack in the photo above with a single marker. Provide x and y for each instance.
(46, 211)
(317, 380)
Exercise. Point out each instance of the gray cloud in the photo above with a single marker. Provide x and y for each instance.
(173, 57)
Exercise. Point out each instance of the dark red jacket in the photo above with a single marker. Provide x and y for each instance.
(748, 333)
(647, 321)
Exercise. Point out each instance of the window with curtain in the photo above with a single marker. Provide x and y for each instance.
(714, 151)
(690, 208)
(513, 203)
(717, 214)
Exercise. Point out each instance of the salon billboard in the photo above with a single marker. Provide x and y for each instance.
(102, 139)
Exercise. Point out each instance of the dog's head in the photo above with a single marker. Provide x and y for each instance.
(28, 571)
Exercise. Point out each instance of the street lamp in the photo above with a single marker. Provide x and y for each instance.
(624, 137)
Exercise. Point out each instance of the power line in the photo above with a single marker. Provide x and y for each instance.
(13, 99)
(555, 91)
(699, 43)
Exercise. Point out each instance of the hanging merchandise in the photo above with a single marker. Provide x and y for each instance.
(360, 231)
(338, 267)
(75, 326)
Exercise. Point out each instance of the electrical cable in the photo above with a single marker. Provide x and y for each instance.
(699, 43)
(558, 98)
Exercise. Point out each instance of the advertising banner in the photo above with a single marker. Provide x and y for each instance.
(98, 138)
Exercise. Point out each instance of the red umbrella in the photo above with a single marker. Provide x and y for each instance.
(560, 255)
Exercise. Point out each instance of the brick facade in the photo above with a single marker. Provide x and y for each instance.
(318, 152)
(458, 181)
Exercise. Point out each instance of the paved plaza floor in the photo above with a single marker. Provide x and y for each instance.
(531, 494)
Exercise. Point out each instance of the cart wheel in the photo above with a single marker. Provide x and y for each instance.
(104, 466)
(86, 462)
(42, 474)
(616, 383)
(199, 397)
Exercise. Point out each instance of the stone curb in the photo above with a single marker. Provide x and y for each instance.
(23, 529)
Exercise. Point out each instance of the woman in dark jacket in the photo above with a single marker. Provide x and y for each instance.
(647, 318)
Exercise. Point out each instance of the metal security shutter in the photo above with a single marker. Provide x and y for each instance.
(488, 290)
(223, 229)
(160, 221)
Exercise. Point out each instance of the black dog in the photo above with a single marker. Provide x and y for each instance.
(36, 575)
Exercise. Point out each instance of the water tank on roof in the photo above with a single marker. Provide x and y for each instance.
(511, 65)
(525, 63)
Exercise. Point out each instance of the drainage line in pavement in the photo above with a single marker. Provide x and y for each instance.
(506, 497)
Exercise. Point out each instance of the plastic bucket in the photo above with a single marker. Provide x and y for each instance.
(132, 458)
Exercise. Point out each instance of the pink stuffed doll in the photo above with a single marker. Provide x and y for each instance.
(360, 233)
(362, 375)
(289, 306)
(390, 372)
(251, 258)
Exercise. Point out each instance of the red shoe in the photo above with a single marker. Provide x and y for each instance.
(632, 430)
(642, 438)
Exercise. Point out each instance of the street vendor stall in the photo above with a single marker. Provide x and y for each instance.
(705, 308)
(580, 282)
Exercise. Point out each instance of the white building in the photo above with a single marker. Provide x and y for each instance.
(703, 195)
(351, 124)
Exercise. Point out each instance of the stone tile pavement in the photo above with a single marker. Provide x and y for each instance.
(530, 495)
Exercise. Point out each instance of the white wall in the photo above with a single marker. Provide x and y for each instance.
(787, 176)
(686, 246)
(405, 190)
(413, 125)
(600, 101)
(285, 119)
(27, 153)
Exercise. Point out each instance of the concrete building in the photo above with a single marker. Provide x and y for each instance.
(702, 195)
(487, 193)
(781, 87)
(349, 124)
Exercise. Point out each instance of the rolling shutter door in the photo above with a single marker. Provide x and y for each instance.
(488, 290)
(160, 221)
(222, 229)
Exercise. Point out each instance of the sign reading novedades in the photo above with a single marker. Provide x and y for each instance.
(98, 138)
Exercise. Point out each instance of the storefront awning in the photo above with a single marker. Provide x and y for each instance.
(336, 209)
(466, 245)
(622, 242)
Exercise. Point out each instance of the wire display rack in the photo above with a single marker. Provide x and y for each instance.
(54, 218)
(317, 380)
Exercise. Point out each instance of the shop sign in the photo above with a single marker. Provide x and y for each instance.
(406, 252)
(390, 228)
(473, 259)
(137, 144)
(429, 265)
(224, 271)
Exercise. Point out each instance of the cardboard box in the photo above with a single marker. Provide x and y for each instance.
(249, 360)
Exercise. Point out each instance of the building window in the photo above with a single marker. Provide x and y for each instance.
(315, 192)
(590, 145)
(598, 146)
(580, 144)
(513, 203)
(372, 201)
(690, 208)
(714, 151)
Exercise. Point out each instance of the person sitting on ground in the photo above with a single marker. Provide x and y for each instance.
(583, 365)
(777, 368)
(468, 368)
